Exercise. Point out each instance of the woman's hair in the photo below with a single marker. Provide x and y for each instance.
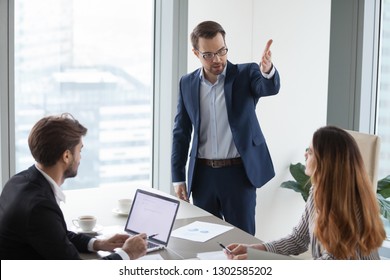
(52, 136)
(348, 219)
(206, 29)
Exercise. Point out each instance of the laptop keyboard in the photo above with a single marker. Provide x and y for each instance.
(152, 245)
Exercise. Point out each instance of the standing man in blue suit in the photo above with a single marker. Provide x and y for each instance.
(229, 157)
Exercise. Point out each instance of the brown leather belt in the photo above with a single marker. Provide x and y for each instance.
(218, 163)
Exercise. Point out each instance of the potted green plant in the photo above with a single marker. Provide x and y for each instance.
(302, 185)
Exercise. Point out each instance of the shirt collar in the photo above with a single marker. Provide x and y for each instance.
(58, 193)
(220, 76)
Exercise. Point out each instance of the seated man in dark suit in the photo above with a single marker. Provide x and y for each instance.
(32, 225)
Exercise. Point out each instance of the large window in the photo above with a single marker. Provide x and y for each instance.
(383, 112)
(93, 59)
(383, 123)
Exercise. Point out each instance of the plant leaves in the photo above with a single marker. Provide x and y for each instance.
(296, 187)
(298, 172)
(384, 206)
(383, 187)
(292, 185)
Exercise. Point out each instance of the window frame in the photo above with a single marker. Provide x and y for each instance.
(353, 64)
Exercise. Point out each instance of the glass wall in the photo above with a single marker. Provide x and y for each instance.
(93, 59)
(383, 113)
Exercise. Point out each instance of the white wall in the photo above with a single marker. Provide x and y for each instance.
(300, 30)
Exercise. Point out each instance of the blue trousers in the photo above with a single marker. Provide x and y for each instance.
(226, 193)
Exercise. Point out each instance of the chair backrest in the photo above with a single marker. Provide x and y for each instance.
(369, 146)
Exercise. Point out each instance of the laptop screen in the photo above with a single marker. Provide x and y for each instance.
(152, 214)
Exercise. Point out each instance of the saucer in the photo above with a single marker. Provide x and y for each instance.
(95, 230)
(118, 212)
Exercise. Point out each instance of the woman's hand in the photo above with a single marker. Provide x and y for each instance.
(238, 251)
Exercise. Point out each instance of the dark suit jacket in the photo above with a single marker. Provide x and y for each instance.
(32, 225)
(244, 85)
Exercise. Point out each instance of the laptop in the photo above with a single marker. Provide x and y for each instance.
(154, 215)
(254, 254)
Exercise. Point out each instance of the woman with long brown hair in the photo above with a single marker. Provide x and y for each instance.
(341, 218)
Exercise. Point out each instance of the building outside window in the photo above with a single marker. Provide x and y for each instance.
(95, 61)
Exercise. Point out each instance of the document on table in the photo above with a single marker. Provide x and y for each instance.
(200, 231)
(151, 257)
(216, 255)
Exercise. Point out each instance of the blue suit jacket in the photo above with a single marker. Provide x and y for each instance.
(32, 225)
(244, 85)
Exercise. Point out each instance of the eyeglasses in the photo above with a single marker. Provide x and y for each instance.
(210, 56)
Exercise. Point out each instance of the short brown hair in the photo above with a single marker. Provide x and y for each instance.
(208, 30)
(51, 136)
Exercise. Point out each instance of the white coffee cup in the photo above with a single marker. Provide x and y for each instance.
(85, 222)
(124, 205)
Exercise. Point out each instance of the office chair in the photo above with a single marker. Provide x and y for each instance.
(369, 146)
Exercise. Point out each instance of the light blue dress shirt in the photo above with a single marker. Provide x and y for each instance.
(216, 138)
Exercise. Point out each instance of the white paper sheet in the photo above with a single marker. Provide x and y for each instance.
(217, 255)
(151, 257)
(200, 231)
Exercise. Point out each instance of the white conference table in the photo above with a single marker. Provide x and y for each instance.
(102, 203)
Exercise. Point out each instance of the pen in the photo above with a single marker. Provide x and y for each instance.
(153, 235)
(224, 247)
